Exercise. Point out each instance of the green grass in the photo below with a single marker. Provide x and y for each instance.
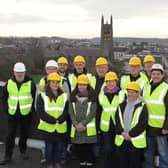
(36, 78)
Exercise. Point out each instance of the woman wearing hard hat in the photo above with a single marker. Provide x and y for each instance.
(109, 99)
(131, 123)
(52, 107)
(82, 112)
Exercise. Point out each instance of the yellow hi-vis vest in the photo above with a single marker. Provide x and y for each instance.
(41, 86)
(93, 84)
(54, 109)
(138, 141)
(125, 80)
(90, 127)
(109, 109)
(73, 80)
(155, 104)
(21, 97)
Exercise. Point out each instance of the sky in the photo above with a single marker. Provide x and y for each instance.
(82, 18)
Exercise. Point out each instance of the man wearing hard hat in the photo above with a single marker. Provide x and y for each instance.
(19, 96)
(134, 75)
(79, 68)
(50, 67)
(148, 61)
(156, 96)
(63, 72)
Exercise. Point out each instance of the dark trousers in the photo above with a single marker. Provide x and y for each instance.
(109, 149)
(129, 156)
(24, 124)
(53, 152)
(85, 152)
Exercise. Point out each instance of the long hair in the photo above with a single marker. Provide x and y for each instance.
(49, 92)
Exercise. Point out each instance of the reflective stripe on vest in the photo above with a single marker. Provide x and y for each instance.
(54, 109)
(109, 110)
(155, 104)
(93, 84)
(21, 97)
(126, 79)
(138, 141)
(90, 127)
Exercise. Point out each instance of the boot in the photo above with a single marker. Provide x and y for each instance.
(5, 160)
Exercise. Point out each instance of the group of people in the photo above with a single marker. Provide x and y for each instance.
(123, 119)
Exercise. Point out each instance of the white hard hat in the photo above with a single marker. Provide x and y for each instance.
(157, 67)
(19, 67)
(51, 63)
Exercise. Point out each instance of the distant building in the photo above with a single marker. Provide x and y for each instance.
(106, 41)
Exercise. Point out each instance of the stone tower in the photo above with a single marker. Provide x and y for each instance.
(106, 41)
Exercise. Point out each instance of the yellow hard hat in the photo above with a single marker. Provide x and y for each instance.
(83, 79)
(79, 58)
(133, 86)
(149, 58)
(54, 76)
(110, 76)
(135, 61)
(101, 61)
(62, 60)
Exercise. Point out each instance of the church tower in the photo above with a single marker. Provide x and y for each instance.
(106, 41)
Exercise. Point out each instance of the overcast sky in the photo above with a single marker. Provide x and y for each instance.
(82, 18)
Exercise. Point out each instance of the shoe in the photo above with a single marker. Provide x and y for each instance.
(43, 161)
(89, 165)
(82, 164)
(24, 156)
(58, 165)
(5, 160)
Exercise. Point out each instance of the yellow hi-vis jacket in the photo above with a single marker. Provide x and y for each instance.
(125, 80)
(21, 97)
(93, 84)
(90, 127)
(155, 104)
(138, 141)
(54, 109)
(109, 109)
(41, 85)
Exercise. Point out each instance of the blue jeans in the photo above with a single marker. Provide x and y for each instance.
(53, 152)
(159, 143)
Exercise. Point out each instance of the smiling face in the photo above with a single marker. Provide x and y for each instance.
(79, 66)
(132, 95)
(111, 84)
(82, 87)
(54, 85)
(62, 67)
(101, 70)
(157, 76)
(19, 76)
(135, 70)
